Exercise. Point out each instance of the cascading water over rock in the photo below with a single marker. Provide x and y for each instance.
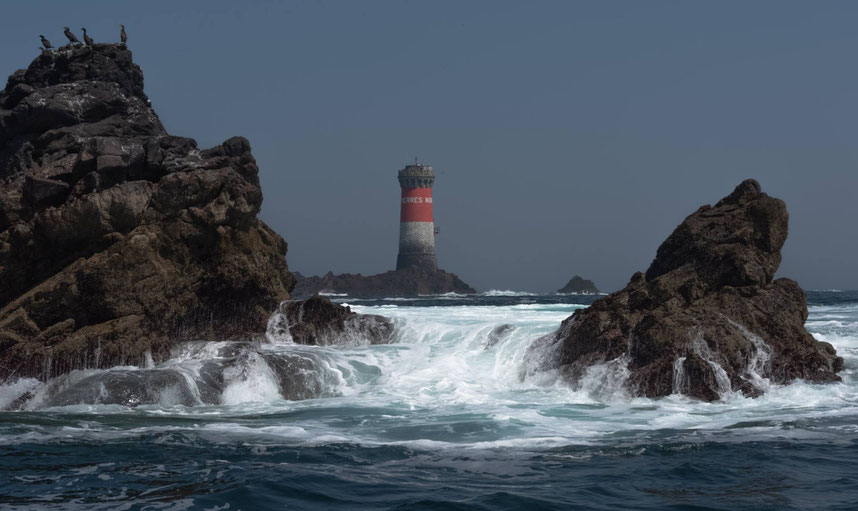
(286, 363)
(197, 373)
(318, 321)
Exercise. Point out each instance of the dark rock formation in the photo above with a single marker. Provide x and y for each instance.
(117, 238)
(706, 317)
(318, 321)
(579, 286)
(396, 283)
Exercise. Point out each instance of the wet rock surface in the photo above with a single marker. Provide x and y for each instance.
(578, 285)
(498, 334)
(318, 321)
(408, 282)
(707, 317)
(117, 238)
(199, 373)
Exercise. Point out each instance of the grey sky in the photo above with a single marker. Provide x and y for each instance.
(567, 137)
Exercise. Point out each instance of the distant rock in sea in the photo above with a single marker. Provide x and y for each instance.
(578, 285)
(117, 238)
(395, 283)
(705, 319)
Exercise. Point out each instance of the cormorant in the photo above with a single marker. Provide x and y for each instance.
(68, 33)
(45, 42)
(122, 35)
(86, 39)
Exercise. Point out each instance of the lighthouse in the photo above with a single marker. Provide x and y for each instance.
(416, 224)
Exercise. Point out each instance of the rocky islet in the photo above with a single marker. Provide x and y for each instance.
(117, 239)
(579, 285)
(706, 318)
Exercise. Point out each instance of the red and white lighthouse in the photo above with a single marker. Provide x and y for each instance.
(416, 223)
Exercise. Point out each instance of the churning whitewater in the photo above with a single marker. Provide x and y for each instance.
(456, 396)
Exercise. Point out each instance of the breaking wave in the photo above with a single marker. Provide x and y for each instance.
(456, 389)
(483, 357)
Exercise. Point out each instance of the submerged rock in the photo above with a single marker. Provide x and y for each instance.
(706, 318)
(116, 237)
(320, 322)
(198, 373)
(498, 334)
(407, 282)
(578, 285)
(126, 388)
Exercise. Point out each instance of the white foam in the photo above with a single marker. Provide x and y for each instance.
(506, 292)
(12, 391)
(440, 374)
(251, 381)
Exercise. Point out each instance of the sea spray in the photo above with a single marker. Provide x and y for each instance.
(250, 379)
(438, 369)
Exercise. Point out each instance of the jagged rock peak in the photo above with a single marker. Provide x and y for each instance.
(116, 238)
(747, 190)
(73, 63)
(737, 242)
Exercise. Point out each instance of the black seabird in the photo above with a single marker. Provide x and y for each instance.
(86, 39)
(68, 33)
(122, 35)
(45, 42)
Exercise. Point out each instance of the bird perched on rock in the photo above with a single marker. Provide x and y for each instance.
(68, 33)
(122, 35)
(45, 42)
(86, 39)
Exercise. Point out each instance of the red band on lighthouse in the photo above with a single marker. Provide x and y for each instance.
(416, 205)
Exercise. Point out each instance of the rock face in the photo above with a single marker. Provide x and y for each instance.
(117, 238)
(577, 285)
(319, 322)
(706, 317)
(397, 283)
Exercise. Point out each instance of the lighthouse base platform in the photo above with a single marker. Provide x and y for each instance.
(408, 282)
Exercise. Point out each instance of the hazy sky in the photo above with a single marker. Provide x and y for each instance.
(567, 137)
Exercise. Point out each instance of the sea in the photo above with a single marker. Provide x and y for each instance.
(444, 418)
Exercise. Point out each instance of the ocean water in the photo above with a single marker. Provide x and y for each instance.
(448, 417)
